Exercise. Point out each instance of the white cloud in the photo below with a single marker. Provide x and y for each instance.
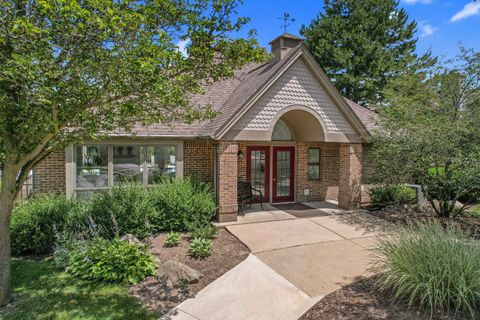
(182, 46)
(470, 9)
(426, 30)
(418, 1)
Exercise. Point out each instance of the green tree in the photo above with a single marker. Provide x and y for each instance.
(429, 133)
(71, 70)
(362, 44)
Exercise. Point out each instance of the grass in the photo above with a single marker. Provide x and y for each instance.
(43, 292)
(426, 265)
(475, 211)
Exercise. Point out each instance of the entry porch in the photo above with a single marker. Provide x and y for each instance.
(288, 172)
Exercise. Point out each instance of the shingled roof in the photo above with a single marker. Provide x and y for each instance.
(227, 97)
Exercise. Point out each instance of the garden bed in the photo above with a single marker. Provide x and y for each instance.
(398, 214)
(227, 252)
(359, 301)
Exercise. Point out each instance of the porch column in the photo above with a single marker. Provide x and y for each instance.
(226, 178)
(350, 176)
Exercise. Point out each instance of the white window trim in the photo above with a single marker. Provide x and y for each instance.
(71, 165)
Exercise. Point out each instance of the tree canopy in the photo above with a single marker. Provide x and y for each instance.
(363, 44)
(73, 70)
(429, 133)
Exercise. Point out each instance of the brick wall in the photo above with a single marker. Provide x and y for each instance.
(242, 162)
(49, 175)
(350, 175)
(227, 175)
(327, 187)
(367, 171)
(198, 159)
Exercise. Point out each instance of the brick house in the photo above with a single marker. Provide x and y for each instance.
(280, 125)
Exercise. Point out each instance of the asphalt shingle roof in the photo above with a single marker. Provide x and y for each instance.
(227, 97)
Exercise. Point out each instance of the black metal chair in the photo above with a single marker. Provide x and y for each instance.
(245, 194)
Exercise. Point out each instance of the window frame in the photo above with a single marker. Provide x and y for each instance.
(110, 168)
(316, 163)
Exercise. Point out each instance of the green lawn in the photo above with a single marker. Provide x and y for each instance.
(43, 292)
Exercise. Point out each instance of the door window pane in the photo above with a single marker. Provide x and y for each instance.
(283, 174)
(92, 166)
(258, 169)
(127, 164)
(161, 162)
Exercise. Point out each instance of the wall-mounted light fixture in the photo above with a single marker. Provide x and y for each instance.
(240, 154)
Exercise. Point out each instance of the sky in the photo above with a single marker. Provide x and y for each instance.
(442, 24)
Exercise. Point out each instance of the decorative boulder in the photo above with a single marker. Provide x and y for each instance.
(130, 238)
(173, 272)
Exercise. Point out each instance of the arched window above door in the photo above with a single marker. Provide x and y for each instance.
(281, 132)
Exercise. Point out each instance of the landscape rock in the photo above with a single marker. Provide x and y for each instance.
(174, 272)
(428, 207)
(130, 238)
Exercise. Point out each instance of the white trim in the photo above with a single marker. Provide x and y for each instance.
(238, 115)
(71, 158)
(70, 171)
(323, 80)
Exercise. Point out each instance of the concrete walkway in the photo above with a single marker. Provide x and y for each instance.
(294, 263)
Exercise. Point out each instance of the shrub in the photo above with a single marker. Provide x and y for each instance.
(204, 232)
(128, 208)
(438, 269)
(181, 203)
(110, 261)
(388, 195)
(35, 223)
(200, 248)
(172, 239)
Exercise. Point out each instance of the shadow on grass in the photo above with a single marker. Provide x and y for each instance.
(43, 292)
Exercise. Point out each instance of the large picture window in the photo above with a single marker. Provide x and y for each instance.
(102, 166)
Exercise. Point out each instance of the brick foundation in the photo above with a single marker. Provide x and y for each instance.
(49, 176)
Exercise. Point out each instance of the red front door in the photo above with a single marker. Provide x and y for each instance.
(258, 169)
(283, 174)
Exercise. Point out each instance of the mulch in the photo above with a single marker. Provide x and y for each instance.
(398, 214)
(227, 252)
(359, 301)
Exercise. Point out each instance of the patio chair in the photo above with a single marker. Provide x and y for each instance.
(248, 194)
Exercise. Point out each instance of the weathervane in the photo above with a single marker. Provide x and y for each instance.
(287, 20)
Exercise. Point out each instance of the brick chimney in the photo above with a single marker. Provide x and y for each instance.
(282, 44)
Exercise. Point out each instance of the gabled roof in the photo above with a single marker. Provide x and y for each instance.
(231, 97)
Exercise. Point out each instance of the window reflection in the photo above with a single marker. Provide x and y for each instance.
(127, 164)
(160, 162)
(92, 167)
(130, 163)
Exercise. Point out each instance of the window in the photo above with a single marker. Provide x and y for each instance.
(161, 161)
(314, 164)
(281, 132)
(92, 167)
(101, 166)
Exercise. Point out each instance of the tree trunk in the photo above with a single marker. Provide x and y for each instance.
(7, 198)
